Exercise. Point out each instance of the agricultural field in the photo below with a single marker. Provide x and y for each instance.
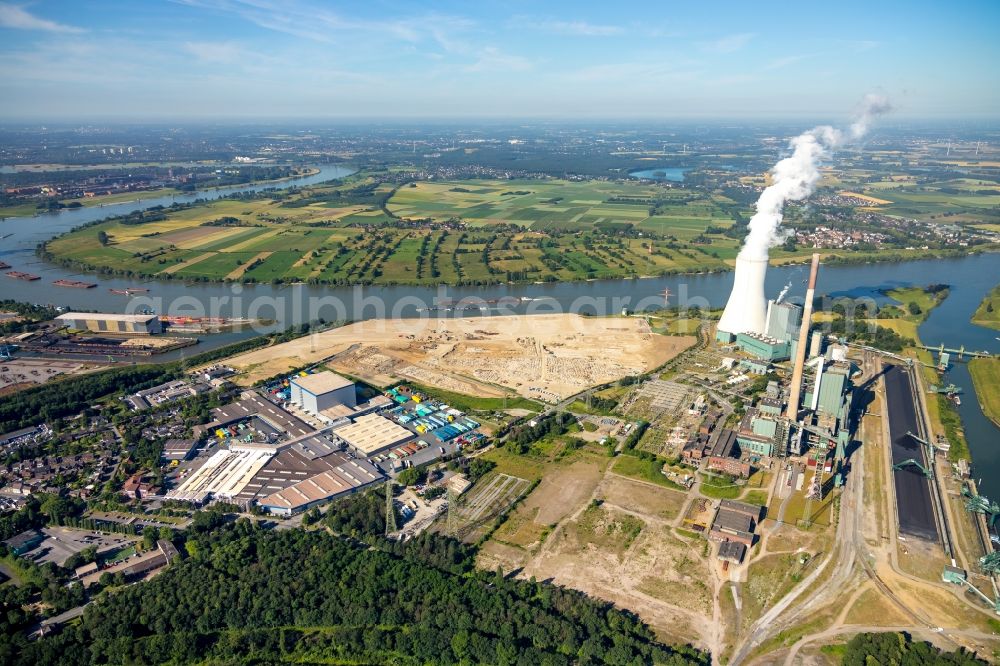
(559, 204)
(366, 231)
(331, 234)
(971, 200)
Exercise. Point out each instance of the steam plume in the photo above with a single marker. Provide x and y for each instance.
(784, 291)
(795, 177)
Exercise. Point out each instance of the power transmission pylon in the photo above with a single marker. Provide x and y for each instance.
(390, 511)
(452, 518)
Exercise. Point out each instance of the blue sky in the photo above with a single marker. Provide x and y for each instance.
(243, 59)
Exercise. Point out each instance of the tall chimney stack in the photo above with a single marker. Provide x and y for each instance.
(800, 348)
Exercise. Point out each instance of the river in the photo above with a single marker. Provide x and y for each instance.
(970, 279)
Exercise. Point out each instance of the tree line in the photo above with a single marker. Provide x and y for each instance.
(248, 594)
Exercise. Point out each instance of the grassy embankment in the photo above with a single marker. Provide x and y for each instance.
(988, 312)
(986, 377)
(469, 403)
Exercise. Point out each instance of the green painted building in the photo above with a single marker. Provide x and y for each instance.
(755, 444)
(763, 347)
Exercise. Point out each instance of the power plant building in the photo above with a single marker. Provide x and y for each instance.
(96, 322)
(763, 347)
(320, 391)
(833, 385)
(783, 320)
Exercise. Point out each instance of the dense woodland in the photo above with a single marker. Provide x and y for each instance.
(901, 650)
(245, 594)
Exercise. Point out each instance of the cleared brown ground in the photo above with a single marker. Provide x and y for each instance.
(545, 357)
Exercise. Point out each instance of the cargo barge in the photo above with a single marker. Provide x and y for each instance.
(128, 291)
(18, 275)
(75, 284)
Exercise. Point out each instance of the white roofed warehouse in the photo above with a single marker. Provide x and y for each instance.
(372, 434)
(322, 390)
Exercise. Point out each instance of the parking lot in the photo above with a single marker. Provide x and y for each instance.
(440, 430)
(63, 542)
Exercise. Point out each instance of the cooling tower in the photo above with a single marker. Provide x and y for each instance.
(746, 311)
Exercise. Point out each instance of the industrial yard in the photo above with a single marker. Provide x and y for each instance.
(543, 357)
(24, 372)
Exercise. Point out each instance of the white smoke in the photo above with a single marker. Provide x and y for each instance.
(784, 291)
(794, 178)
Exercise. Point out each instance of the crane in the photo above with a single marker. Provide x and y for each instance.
(981, 504)
(990, 563)
(910, 462)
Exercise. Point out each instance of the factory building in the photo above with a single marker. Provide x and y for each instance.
(725, 456)
(348, 477)
(783, 321)
(96, 322)
(764, 347)
(833, 384)
(323, 390)
(372, 434)
(735, 521)
(756, 444)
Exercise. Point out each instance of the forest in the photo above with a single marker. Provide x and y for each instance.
(249, 595)
(901, 650)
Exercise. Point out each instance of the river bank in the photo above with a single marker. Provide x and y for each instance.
(30, 209)
(986, 380)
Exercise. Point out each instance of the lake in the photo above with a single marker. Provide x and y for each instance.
(673, 174)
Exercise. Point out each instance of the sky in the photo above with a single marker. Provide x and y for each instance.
(276, 59)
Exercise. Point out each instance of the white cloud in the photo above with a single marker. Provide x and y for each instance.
(313, 21)
(215, 52)
(18, 18)
(779, 63)
(727, 44)
(493, 59)
(574, 28)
